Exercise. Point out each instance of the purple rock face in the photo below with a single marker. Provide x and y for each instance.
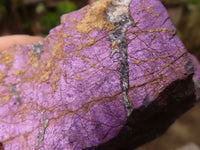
(113, 75)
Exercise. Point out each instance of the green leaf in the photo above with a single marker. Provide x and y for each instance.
(66, 7)
(49, 21)
(40, 8)
(2, 11)
(194, 2)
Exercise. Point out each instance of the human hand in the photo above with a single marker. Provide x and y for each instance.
(7, 41)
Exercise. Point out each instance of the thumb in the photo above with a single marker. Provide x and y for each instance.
(7, 41)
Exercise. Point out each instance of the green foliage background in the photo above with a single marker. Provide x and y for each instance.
(52, 18)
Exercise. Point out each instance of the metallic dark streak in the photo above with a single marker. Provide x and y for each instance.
(118, 37)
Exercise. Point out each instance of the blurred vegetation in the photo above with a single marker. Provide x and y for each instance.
(52, 18)
(195, 2)
(37, 17)
(34, 17)
(2, 10)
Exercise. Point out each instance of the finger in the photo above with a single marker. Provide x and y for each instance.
(7, 41)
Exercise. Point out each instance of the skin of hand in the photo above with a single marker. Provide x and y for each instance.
(7, 41)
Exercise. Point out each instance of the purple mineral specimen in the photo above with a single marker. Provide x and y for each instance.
(112, 76)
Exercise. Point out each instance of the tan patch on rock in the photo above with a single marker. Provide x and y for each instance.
(94, 18)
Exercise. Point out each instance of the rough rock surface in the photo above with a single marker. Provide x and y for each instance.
(113, 75)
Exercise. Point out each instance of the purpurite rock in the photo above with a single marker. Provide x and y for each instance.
(113, 75)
